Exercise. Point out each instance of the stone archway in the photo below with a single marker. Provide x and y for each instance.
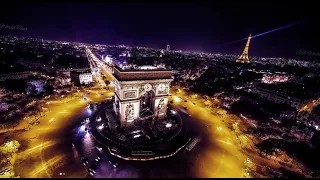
(147, 101)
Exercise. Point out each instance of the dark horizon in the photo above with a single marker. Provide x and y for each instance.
(200, 27)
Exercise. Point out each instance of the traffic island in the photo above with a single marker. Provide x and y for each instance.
(146, 140)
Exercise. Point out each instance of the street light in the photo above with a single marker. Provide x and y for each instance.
(176, 99)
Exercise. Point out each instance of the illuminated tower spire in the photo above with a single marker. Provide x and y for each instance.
(244, 56)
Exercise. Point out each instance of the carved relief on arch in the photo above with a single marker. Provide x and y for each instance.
(161, 107)
(129, 113)
(142, 90)
(127, 86)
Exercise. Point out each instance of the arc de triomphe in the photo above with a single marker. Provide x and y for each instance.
(139, 90)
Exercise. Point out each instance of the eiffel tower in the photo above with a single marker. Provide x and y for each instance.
(244, 56)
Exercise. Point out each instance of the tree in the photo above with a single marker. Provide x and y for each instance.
(15, 85)
(49, 89)
(9, 147)
(32, 90)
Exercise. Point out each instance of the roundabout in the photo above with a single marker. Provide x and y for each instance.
(147, 139)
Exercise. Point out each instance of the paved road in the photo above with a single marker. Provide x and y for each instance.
(47, 150)
(214, 156)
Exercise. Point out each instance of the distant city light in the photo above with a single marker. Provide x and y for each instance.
(274, 78)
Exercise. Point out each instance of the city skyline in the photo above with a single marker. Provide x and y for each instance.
(74, 106)
(208, 29)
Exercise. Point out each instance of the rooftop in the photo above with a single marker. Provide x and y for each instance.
(127, 68)
(79, 71)
(293, 90)
(131, 73)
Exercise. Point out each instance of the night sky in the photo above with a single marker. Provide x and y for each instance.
(195, 26)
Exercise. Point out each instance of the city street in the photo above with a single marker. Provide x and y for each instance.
(46, 147)
(222, 127)
(47, 150)
(217, 155)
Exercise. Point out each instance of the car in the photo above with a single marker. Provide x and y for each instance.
(185, 101)
(92, 170)
(114, 150)
(37, 122)
(185, 108)
(99, 148)
(84, 161)
(114, 164)
(189, 115)
(194, 103)
(102, 94)
(97, 158)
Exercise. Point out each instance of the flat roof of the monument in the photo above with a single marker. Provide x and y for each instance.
(142, 68)
(141, 73)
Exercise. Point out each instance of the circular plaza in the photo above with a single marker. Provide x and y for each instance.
(147, 138)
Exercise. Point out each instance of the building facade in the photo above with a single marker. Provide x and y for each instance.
(277, 97)
(80, 78)
(18, 75)
(85, 78)
(141, 91)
